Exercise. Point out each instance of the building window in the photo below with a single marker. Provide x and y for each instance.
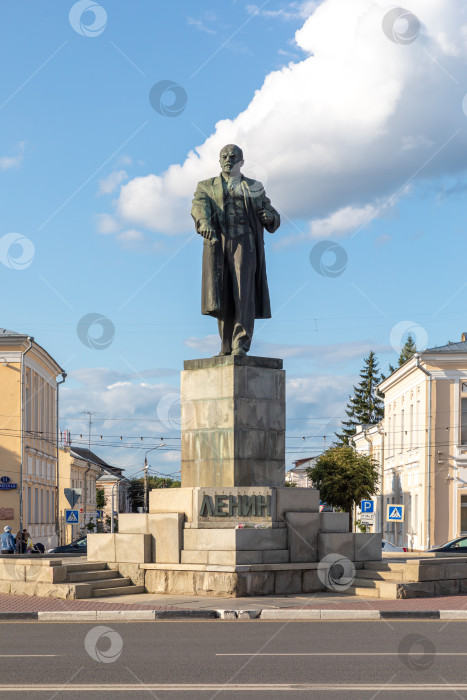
(29, 505)
(464, 419)
(463, 514)
(47, 506)
(36, 505)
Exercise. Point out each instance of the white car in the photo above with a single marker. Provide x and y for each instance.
(389, 547)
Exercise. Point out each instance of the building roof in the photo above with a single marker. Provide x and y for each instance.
(450, 347)
(6, 333)
(83, 453)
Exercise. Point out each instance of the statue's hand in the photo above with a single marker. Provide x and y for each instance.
(207, 232)
(265, 217)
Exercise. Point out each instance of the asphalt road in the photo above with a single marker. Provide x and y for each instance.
(250, 659)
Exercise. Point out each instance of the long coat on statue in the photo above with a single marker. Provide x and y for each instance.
(208, 204)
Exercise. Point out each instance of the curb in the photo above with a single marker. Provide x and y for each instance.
(279, 614)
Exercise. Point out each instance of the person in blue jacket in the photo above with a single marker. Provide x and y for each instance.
(7, 541)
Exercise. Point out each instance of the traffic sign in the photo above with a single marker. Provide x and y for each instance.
(367, 506)
(72, 517)
(394, 513)
(72, 496)
(368, 518)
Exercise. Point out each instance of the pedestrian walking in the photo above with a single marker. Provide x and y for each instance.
(7, 541)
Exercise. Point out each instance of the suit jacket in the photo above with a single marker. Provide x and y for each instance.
(208, 204)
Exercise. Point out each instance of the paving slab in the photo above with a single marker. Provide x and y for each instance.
(11, 603)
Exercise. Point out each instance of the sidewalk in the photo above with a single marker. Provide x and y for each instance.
(10, 603)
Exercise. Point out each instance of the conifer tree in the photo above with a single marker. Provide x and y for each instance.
(365, 406)
(408, 350)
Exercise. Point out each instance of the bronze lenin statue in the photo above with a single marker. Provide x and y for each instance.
(231, 212)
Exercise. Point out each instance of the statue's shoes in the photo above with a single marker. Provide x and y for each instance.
(239, 351)
(223, 354)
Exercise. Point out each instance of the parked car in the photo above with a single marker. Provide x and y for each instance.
(457, 545)
(78, 546)
(390, 547)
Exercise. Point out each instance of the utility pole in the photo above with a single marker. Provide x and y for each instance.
(90, 414)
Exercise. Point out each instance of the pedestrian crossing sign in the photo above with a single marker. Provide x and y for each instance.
(394, 513)
(71, 517)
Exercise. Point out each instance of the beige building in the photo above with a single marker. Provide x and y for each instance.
(28, 437)
(421, 445)
(80, 468)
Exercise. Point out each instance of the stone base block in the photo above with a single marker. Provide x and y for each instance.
(296, 500)
(367, 546)
(234, 558)
(287, 582)
(241, 539)
(166, 533)
(101, 547)
(135, 549)
(232, 585)
(303, 536)
(334, 522)
(132, 523)
(336, 543)
(172, 501)
(233, 422)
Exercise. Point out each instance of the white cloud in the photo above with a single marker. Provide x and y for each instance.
(107, 223)
(292, 10)
(340, 131)
(322, 355)
(342, 221)
(132, 239)
(109, 184)
(8, 162)
(199, 24)
(126, 405)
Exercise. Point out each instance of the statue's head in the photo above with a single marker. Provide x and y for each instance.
(231, 159)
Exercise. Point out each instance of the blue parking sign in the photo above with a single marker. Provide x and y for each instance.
(367, 506)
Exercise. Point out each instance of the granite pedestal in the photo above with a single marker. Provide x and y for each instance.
(233, 528)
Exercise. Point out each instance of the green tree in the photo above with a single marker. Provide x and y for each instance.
(101, 500)
(344, 477)
(136, 489)
(408, 350)
(365, 406)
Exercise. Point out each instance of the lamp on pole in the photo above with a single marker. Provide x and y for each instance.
(145, 504)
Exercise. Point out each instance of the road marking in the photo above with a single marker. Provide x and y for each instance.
(234, 687)
(359, 653)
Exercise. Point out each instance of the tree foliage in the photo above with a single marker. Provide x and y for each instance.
(408, 350)
(365, 407)
(136, 489)
(101, 500)
(344, 477)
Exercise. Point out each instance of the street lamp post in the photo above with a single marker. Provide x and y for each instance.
(145, 508)
(112, 518)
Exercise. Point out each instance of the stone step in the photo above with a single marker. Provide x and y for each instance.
(367, 592)
(98, 566)
(121, 590)
(378, 566)
(88, 576)
(109, 583)
(365, 582)
(381, 575)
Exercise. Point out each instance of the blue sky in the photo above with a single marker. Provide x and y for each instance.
(359, 138)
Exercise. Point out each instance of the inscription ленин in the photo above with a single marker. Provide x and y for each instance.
(231, 506)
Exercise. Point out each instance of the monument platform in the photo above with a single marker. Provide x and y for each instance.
(233, 528)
